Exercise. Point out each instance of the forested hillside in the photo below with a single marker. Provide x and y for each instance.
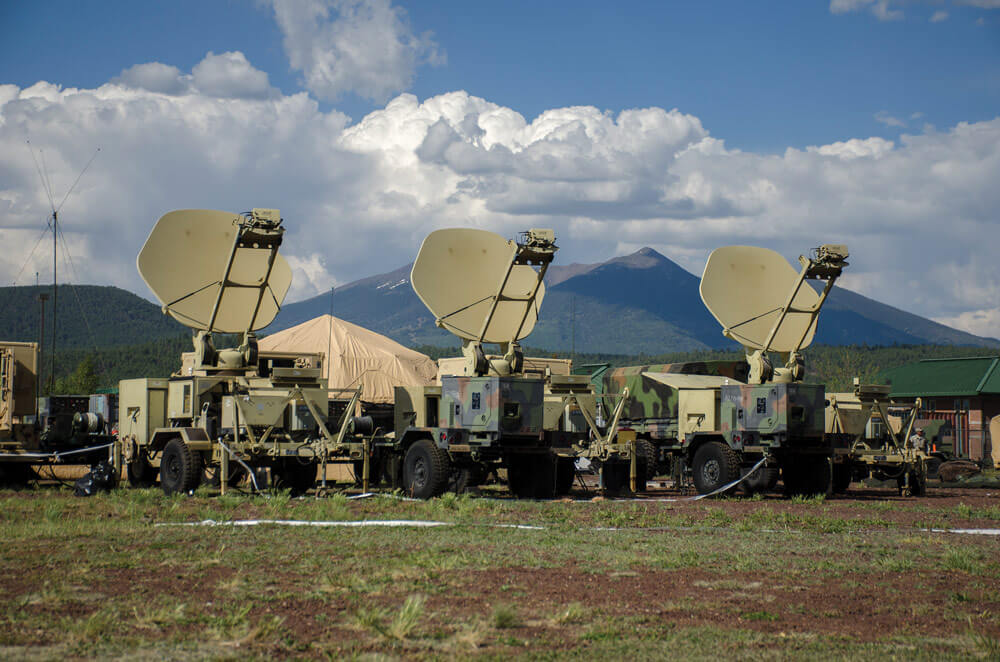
(87, 316)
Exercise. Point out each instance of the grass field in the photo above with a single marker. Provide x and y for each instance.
(117, 576)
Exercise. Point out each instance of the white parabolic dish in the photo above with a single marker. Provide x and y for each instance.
(458, 271)
(184, 260)
(745, 287)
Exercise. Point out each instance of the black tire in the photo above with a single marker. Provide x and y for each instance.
(180, 468)
(466, 477)
(519, 478)
(646, 452)
(565, 475)
(425, 470)
(615, 477)
(715, 464)
(544, 476)
(917, 485)
(294, 475)
(762, 480)
(841, 478)
(16, 474)
(531, 476)
(139, 471)
(807, 475)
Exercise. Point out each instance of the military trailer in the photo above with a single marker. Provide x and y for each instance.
(492, 413)
(228, 412)
(717, 420)
(883, 451)
(65, 429)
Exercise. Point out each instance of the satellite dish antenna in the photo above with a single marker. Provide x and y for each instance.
(762, 302)
(217, 271)
(484, 289)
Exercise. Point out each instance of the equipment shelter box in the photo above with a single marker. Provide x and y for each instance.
(142, 407)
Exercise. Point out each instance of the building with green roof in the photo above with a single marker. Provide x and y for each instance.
(963, 393)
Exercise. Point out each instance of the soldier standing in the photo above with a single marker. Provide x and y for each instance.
(918, 441)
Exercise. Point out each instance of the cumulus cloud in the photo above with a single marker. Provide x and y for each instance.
(362, 46)
(980, 322)
(227, 75)
(155, 77)
(358, 198)
(884, 11)
(230, 75)
(884, 117)
(880, 8)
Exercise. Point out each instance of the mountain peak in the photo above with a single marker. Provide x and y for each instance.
(643, 258)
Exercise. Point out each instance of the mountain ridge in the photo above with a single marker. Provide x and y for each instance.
(654, 303)
(641, 303)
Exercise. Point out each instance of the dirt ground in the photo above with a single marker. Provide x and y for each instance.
(859, 574)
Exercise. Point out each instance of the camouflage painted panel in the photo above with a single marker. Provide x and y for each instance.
(522, 405)
(652, 399)
(795, 409)
(492, 404)
(661, 430)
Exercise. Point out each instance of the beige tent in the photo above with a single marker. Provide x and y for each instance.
(357, 356)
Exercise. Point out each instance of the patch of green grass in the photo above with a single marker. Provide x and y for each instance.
(963, 559)
(761, 615)
(573, 613)
(505, 616)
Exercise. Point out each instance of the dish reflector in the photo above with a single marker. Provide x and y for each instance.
(458, 272)
(745, 287)
(184, 261)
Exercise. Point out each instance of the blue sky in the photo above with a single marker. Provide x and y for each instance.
(762, 75)
(369, 123)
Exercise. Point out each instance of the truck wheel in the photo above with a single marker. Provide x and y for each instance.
(615, 478)
(531, 476)
(917, 485)
(425, 470)
(806, 475)
(646, 452)
(841, 478)
(565, 475)
(762, 480)
(519, 478)
(715, 464)
(16, 474)
(467, 477)
(180, 468)
(544, 476)
(295, 476)
(139, 471)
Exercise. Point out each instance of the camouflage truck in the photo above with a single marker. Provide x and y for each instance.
(720, 419)
(691, 412)
(496, 412)
(230, 411)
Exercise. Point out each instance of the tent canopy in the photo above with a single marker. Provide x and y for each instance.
(356, 356)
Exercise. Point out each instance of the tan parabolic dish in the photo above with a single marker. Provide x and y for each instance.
(744, 287)
(357, 356)
(183, 262)
(458, 271)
